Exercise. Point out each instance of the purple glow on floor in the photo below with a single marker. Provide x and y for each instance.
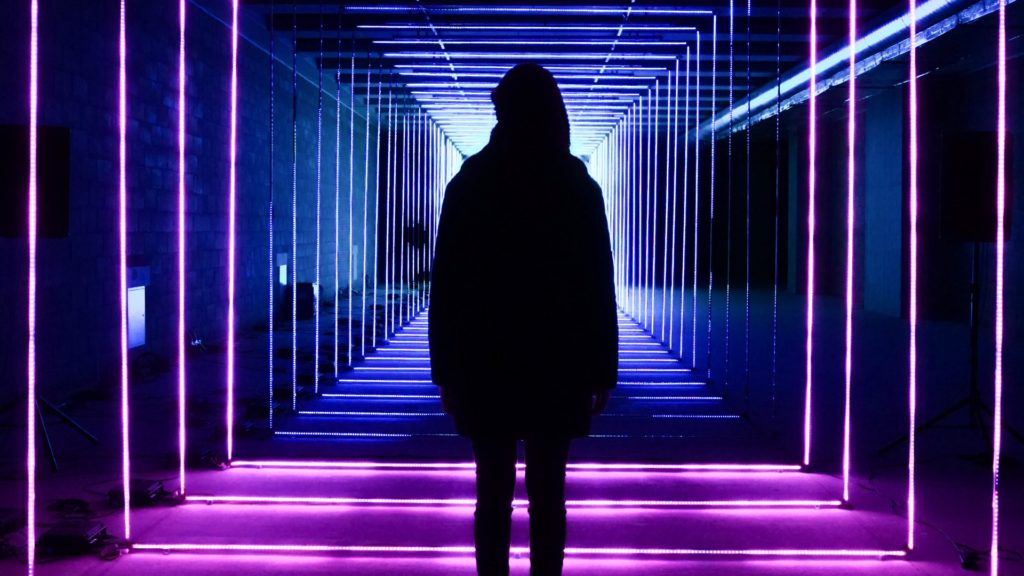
(594, 504)
(577, 466)
(519, 550)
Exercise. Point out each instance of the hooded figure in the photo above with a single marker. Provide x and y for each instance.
(523, 328)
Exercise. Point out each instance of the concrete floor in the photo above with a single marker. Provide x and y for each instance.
(953, 488)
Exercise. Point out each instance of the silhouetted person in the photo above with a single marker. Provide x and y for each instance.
(523, 329)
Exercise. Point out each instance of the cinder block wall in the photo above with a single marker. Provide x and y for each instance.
(78, 297)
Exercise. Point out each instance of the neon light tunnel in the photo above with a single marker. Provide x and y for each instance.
(248, 251)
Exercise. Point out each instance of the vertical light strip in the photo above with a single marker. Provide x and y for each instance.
(686, 203)
(271, 277)
(649, 235)
(654, 205)
(376, 205)
(181, 247)
(294, 263)
(997, 407)
(648, 200)
(811, 122)
(675, 180)
(388, 209)
(401, 230)
(776, 210)
(122, 227)
(319, 204)
(711, 199)
(337, 196)
(232, 203)
(850, 141)
(728, 201)
(627, 211)
(668, 280)
(33, 200)
(366, 203)
(746, 251)
(351, 193)
(912, 454)
(696, 211)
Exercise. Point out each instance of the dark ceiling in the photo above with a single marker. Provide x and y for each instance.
(607, 55)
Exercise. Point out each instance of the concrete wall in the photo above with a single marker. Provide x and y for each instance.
(78, 296)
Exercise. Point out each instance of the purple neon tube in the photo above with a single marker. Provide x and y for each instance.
(33, 201)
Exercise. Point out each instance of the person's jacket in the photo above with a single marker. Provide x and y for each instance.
(523, 327)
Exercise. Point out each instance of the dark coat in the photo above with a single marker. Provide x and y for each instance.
(523, 327)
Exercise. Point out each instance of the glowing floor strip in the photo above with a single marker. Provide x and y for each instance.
(658, 370)
(393, 368)
(385, 396)
(577, 466)
(427, 359)
(296, 433)
(698, 416)
(519, 550)
(584, 503)
(369, 414)
(378, 381)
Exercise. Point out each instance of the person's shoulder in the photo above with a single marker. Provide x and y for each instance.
(581, 175)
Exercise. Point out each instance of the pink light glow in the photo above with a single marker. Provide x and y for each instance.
(912, 456)
(519, 550)
(997, 408)
(123, 246)
(579, 466)
(181, 246)
(587, 503)
(850, 141)
(231, 233)
(810, 229)
(33, 128)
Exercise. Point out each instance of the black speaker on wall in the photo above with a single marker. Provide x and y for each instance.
(969, 186)
(53, 181)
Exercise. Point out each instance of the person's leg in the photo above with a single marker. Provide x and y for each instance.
(495, 485)
(545, 485)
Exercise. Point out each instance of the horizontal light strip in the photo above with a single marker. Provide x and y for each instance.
(679, 398)
(552, 68)
(360, 434)
(487, 93)
(522, 504)
(559, 11)
(665, 384)
(499, 76)
(368, 414)
(526, 28)
(528, 56)
(385, 396)
(585, 466)
(520, 550)
(666, 370)
(698, 416)
(381, 381)
(552, 42)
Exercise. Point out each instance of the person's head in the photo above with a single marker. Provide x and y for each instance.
(529, 107)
